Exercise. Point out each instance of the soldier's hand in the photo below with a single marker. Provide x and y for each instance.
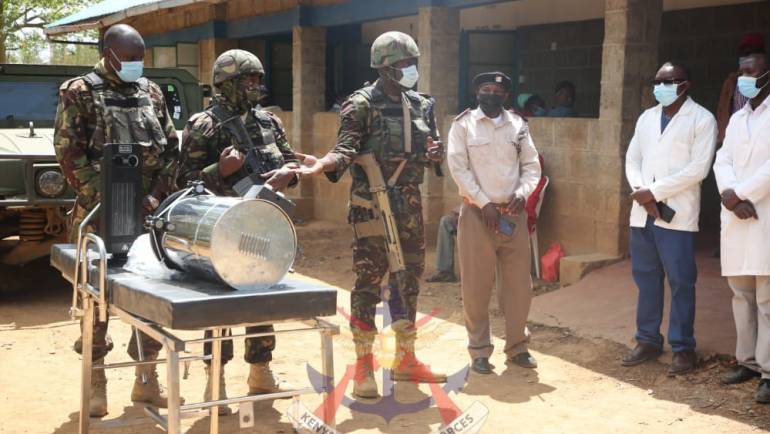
(150, 204)
(310, 165)
(490, 216)
(279, 179)
(435, 150)
(230, 161)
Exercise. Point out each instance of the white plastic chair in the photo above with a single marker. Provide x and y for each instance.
(533, 236)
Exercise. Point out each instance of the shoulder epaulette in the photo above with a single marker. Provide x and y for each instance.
(460, 116)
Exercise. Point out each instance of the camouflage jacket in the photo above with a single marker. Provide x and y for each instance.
(204, 139)
(371, 122)
(80, 133)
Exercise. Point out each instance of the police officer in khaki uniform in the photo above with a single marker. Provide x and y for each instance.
(495, 165)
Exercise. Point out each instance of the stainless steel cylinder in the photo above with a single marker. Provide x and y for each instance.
(247, 244)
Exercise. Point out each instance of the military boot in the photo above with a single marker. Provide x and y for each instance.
(262, 380)
(97, 404)
(150, 392)
(222, 409)
(406, 366)
(364, 385)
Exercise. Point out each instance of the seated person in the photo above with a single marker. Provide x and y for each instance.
(565, 101)
(531, 105)
(445, 248)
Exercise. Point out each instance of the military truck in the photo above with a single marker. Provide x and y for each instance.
(34, 196)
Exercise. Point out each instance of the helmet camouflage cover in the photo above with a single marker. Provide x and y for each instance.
(234, 63)
(392, 47)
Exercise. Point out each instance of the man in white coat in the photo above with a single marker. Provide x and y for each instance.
(669, 155)
(742, 170)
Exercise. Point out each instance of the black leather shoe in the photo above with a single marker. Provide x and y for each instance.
(763, 392)
(683, 363)
(525, 360)
(640, 354)
(482, 365)
(740, 375)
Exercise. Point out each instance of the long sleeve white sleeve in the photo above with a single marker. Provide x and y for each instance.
(529, 167)
(459, 166)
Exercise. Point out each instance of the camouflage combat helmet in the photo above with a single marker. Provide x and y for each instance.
(391, 47)
(234, 63)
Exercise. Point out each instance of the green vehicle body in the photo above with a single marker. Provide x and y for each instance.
(30, 219)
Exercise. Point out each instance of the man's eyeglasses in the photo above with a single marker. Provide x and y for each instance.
(672, 81)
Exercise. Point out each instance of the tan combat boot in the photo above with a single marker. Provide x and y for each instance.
(262, 380)
(406, 366)
(97, 404)
(222, 409)
(150, 392)
(364, 385)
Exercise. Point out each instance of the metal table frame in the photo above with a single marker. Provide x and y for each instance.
(88, 298)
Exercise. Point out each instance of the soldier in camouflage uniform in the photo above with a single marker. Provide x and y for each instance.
(114, 104)
(372, 120)
(213, 151)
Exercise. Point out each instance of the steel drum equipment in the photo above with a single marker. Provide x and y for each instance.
(246, 243)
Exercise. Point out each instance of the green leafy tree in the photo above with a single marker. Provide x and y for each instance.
(22, 20)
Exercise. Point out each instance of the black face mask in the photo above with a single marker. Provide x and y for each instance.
(490, 101)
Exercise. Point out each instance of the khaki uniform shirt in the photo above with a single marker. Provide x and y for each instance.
(492, 162)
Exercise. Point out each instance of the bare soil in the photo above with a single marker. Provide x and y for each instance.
(579, 386)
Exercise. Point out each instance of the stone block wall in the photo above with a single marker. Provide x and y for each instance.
(581, 201)
(572, 51)
(706, 39)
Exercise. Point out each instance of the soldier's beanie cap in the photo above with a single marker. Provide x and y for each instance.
(492, 77)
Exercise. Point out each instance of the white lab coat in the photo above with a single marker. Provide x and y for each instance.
(672, 164)
(743, 164)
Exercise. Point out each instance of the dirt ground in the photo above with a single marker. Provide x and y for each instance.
(579, 386)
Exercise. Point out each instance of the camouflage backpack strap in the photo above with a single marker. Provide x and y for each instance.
(94, 81)
(232, 123)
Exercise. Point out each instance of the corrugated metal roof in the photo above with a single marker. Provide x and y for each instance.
(107, 7)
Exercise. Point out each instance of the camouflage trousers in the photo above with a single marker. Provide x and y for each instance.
(102, 343)
(370, 263)
(258, 350)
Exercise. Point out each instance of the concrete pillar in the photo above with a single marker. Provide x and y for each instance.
(629, 60)
(308, 98)
(438, 36)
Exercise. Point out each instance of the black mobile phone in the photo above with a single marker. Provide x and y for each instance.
(666, 212)
(506, 226)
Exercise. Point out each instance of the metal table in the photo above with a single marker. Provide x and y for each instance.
(156, 306)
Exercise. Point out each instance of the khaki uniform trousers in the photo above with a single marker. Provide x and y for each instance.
(751, 310)
(487, 258)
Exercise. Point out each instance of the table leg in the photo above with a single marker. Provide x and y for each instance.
(327, 370)
(87, 341)
(215, 372)
(172, 379)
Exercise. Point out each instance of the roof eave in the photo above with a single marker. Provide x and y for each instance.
(108, 20)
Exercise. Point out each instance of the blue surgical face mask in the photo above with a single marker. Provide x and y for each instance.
(747, 86)
(129, 72)
(409, 76)
(666, 93)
